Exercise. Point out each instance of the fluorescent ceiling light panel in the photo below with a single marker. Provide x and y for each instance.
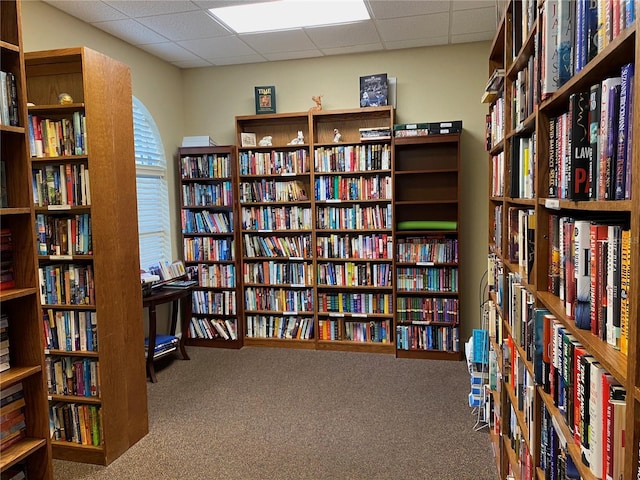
(288, 14)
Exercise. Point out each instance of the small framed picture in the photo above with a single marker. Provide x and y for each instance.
(247, 139)
(374, 90)
(265, 99)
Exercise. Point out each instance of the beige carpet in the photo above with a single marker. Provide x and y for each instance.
(261, 413)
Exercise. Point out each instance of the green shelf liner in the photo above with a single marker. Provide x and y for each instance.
(427, 225)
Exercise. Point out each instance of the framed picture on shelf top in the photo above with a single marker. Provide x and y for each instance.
(247, 139)
(265, 99)
(374, 90)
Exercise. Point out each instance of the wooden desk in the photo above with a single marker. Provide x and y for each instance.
(181, 296)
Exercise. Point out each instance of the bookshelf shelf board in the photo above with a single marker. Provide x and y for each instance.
(267, 204)
(274, 175)
(209, 262)
(63, 209)
(283, 285)
(321, 231)
(279, 342)
(353, 287)
(14, 293)
(56, 108)
(63, 158)
(351, 173)
(14, 211)
(511, 456)
(413, 233)
(601, 206)
(355, 260)
(65, 258)
(429, 354)
(426, 322)
(206, 179)
(12, 129)
(525, 52)
(16, 374)
(9, 46)
(426, 264)
(427, 139)
(75, 353)
(277, 231)
(425, 171)
(636, 392)
(76, 399)
(208, 234)
(355, 316)
(495, 446)
(497, 148)
(489, 97)
(64, 306)
(290, 259)
(207, 315)
(80, 453)
(339, 201)
(277, 147)
(218, 208)
(286, 313)
(430, 293)
(610, 358)
(427, 202)
(19, 451)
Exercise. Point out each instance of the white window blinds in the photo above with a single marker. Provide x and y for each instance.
(151, 183)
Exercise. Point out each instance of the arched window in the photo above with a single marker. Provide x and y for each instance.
(151, 184)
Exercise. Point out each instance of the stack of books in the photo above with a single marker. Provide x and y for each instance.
(164, 344)
(12, 420)
(198, 141)
(375, 133)
(4, 343)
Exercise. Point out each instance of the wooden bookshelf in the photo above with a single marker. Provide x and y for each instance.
(101, 92)
(529, 115)
(427, 295)
(209, 216)
(20, 302)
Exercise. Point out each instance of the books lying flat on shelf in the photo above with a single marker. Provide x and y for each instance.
(164, 344)
(181, 284)
(198, 141)
(427, 128)
(375, 133)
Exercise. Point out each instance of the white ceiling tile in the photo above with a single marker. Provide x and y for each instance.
(472, 37)
(470, 4)
(130, 31)
(419, 42)
(218, 47)
(359, 33)
(274, 57)
(185, 26)
(373, 47)
(88, 11)
(192, 63)
(383, 9)
(473, 21)
(147, 8)
(277, 42)
(169, 51)
(423, 26)
(238, 60)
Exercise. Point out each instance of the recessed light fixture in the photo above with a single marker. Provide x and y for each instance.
(287, 14)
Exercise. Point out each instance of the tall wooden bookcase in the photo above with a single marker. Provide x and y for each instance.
(524, 219)
(427, 291)
(20, 303)
(209, 217)
(100, 88)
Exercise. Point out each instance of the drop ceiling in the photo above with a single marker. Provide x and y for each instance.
(185, 34)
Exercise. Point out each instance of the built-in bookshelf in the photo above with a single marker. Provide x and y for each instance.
(83, 176)
(563, 302)
(426, 246)
(276, 229)
(209, 218)
(23, 386)
(353, 223)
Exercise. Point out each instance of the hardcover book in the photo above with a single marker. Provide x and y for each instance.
(580, 146)
(374, 90)
(265, 98)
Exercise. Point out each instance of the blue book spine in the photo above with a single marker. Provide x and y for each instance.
(581, 35)
(626, 77)
(566, 19)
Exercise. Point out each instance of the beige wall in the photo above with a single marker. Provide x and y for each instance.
(434, 84)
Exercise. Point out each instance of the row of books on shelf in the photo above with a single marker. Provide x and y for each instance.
(208, 249)
(362, 246)
(6, 262)
(427, 310)
(277, 326)
(212, 328)
(524, 94)
(523, 166)
(204, 221)
(336, 187)
(573, 33)
(76, 423)
(9, 108)
(350, 274)
(371, 331)
(497, 175)
(273, 191)
(5, 358)
(590, 272)
(205, 166)
(56, 138)
(72, 376)
(352, 158)
(355, 217)
(428, 337)
(521, 228)
(293, 247)
(274, 162)
(206, 194)
(278, 299)
(355, 303)
(61, 186)
(58, 235)
(427, 279)
(213, 276)
(278, 273)
(590, 147)
(67, 284)
(495, 123)
(70, 330)
(524, 18)
(13, 426)
(214, 303)
(433, 248)
(276, 218)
